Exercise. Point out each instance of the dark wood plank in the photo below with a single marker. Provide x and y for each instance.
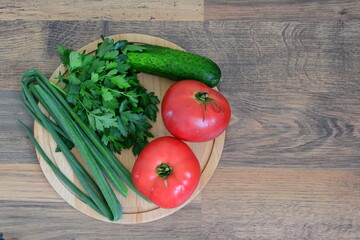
(289, 129)
(272, 129)
(270, 204)
(283, 56)
(318, 57)
(300, 56)
(282, 10)
(30, 45)
(15, 147)
(253, 56)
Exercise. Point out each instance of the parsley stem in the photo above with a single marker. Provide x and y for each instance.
(58, 88)
(124, 94)
(82, 104)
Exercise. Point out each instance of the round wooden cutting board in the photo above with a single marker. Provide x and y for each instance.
(135, 209)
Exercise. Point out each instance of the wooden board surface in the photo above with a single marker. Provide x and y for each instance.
(290, 166)
(135, 209)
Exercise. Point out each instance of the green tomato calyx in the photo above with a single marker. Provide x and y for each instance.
(203, 98)
(164, 170)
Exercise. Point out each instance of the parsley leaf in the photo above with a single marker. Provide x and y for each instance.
(106, 94)
(111, 65)
(111, 55)
(75, 60)
(133, 48)
(120, 82)
(101, 119)
(73, 79)
(64, 52)
(122, 67)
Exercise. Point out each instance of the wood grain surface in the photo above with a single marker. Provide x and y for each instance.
(164, 10)
(282, 10)
(291, 162)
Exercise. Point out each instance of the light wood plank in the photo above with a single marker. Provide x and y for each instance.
(260, 202)
(335, 186)
(116, 10)
(282, 10)
(25, 182)
(268, 203)
(51, 221)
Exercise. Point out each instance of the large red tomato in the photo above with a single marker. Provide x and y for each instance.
(167, 172)
(194, 112)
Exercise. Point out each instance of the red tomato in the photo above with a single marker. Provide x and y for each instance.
(194, 112)
(167, 172)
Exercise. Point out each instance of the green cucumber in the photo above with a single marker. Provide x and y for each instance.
(175, 64)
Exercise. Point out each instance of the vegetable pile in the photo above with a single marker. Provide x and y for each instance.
(99, 107)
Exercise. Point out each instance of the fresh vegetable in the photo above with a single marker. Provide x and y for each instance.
(105, 92)
(167, 172)
(104, 167)
(194, 112)
(174, 64)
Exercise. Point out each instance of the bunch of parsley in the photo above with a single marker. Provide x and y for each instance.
(105, 92)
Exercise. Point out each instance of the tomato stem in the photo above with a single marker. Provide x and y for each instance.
(164, 170)
(203, 98)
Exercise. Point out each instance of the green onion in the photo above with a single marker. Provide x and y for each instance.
(101, 162)
(66, 125)
(107, 154)
(110, 173)
(101, 204)
(49, 126)
(58, 173)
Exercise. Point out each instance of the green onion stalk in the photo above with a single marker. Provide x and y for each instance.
(69, 130)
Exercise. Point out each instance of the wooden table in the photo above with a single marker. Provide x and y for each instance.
(291, 162)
